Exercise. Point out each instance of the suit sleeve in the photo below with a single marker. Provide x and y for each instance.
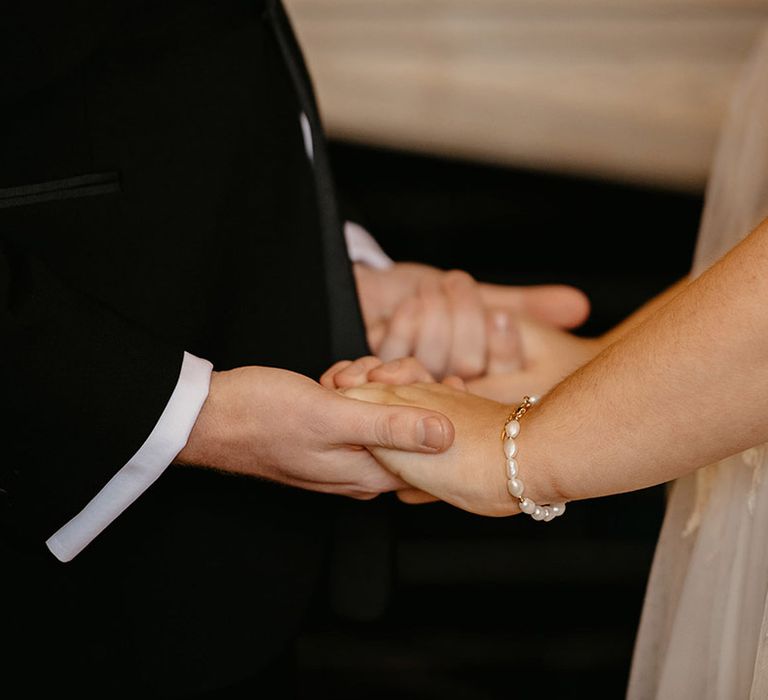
(83, 388)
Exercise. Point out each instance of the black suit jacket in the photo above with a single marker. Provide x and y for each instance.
(156, 197)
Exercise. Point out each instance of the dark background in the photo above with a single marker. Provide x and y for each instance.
(498, 608)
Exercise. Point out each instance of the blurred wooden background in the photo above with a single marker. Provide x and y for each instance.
(633, 90)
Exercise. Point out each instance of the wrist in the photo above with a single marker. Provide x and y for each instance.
(207, 435)
(500, 502)
(540, 466)
(528, 468)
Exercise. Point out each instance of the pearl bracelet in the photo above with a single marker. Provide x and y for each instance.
(514, 485)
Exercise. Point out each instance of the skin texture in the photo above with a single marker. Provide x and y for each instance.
(683, 385)
(541, 356)
(281, 426)
(440, 317)
(278, 425)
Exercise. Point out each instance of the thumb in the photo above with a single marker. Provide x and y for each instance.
(557, 304)
(395, 427)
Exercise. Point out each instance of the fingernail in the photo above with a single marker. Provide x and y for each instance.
(501, 321)
(433, 434)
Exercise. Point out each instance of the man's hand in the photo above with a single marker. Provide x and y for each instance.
(282, 426)
(441, 317)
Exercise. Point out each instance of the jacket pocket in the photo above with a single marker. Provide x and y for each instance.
(68, 188)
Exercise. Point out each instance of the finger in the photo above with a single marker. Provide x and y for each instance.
(433, 342)
(373, 480)
(400, 339)
(356, 373)
(327, 379)
(376, 335)
(468, 339)
(508, 388)
(505, 353)
(406, 370)
(395, 427)
(455, 383)
(557, 304)
(415, 497)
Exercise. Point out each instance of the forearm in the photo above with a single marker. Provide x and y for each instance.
(684, 388)
(644, 312)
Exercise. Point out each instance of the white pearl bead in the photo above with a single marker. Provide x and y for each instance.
(549, 516)
(558, 509)
(534, 400)
(515, 487)
(527, 506)
(511, 468)
(512, 428)
(510, 448)
(538, 513)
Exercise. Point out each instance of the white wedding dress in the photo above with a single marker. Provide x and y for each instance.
(704, 627)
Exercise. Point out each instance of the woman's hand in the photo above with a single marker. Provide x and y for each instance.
(546, 355)
(369, 369)
(470, 474)
(347, 374)
(526, 358)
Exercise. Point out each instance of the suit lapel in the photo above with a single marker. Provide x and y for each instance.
(361, 565)
(347, 329)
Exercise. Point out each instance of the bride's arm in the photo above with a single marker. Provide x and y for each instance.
(646, 310)
(544, 355)
(684, 387)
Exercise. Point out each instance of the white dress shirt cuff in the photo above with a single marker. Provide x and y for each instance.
(363, 248)
(166, 440)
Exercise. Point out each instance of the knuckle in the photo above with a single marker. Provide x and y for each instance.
(408, 367)
(411, 363)
(405, 318)
(457, 280)
(430, 300)
(386, 429)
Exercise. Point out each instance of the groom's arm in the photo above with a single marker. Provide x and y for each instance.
(157, 452)
(84, 389)
(170, 434)
(81, 386)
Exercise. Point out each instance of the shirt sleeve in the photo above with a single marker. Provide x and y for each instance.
(363, 248)
(83, 387)
(166, 440)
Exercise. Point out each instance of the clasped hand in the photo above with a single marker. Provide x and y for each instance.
(470, 474)
(281, 426)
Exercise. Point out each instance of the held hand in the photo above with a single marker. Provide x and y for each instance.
(525, 357)
(408, 370)
(282, 426)
(349, 373)
(440, 317)
(531, 359)
(471, 473)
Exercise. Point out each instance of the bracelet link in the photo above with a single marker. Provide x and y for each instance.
(515, 486)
